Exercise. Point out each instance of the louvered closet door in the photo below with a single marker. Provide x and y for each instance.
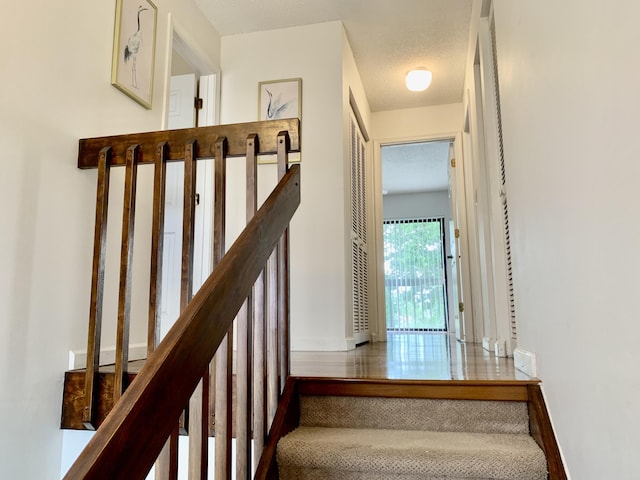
(503, 191)
(359, 258)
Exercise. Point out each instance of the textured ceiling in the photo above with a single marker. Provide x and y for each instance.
(415, 167)
(388, 38)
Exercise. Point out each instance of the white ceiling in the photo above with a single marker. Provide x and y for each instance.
(415, 167)
(388, 38)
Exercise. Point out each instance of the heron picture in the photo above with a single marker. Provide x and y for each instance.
(134, 49)
(280, 99)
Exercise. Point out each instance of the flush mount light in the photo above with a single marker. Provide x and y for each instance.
(418, 80)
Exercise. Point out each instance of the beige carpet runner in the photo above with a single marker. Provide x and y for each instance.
(378, 438)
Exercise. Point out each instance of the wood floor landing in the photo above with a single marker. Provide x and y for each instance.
(407, 356)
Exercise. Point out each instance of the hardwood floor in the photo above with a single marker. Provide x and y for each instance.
(411, 356)
(405, 356)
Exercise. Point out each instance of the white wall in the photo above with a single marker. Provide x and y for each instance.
(413, 205)
(441, 121)
(56, 65)
(318, 294)
(570, 100)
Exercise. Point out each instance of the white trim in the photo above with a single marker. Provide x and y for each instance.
(525, 361)
(501, 325)
(179, 38)
(444, 136)
(358, 116)
(489, 344)
(500, 348)
(378, 256)
(379, 321)
(78, 358)
(188, 48)
(208, 92)
(316, 344)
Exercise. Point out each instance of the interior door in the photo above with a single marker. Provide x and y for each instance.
(461, 307)
(455, 310)
(359, 234)
(454, 313)
(182, 114)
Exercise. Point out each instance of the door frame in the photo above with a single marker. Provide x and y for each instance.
(207, 75)
(182, 42)
(376, 271)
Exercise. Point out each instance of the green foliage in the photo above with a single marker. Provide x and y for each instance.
(414, 275)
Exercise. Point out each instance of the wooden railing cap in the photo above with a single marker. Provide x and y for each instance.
(205, 137)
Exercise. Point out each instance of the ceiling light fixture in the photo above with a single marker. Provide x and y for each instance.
(418, 80)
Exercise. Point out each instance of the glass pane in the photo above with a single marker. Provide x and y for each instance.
(414, 275)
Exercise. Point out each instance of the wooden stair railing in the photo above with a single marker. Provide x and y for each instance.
(145, 417)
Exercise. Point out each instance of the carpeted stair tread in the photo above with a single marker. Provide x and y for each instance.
(414, 414)
(353, 454)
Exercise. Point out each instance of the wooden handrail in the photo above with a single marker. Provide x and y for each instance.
(131, 437)
(205, 137)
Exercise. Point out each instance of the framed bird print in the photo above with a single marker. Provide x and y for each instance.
(280, 99)
(134, 46)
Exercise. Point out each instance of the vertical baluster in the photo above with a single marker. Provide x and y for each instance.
(272, 337)
(199, 402)
(283, 274)
(245, 339)
(157, 244)
(273, 327)
(219, 217)
(167, 463)
(199, 430)
(97, 290)
(188, 214)
(259, 339)
(126, 257)
(259, 368)
(223, 358)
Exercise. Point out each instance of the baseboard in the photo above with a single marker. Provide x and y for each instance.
(78, 358)
(500, 348)
(525, 361)
(321, 345)
(489, 344)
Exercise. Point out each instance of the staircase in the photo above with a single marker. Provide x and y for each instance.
(304, 428)
(454, 430)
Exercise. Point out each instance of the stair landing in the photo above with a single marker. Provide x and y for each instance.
(406, 356)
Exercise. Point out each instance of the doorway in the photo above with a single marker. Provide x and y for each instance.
(416, 212)
(192, 96)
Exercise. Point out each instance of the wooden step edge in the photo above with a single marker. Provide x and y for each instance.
(498, 390)
(542, 432)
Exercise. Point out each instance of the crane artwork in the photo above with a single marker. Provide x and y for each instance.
(132, 48)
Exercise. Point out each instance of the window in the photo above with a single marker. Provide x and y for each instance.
(415, 278)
